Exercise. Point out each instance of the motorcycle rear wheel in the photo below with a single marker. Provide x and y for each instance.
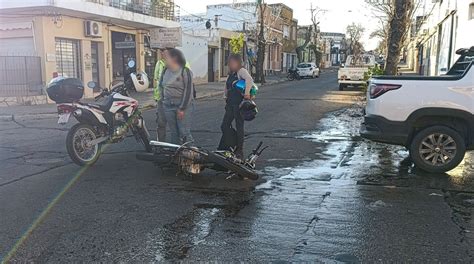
(237, 168)
(77, 145)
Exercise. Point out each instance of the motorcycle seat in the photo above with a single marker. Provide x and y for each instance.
(104, 104)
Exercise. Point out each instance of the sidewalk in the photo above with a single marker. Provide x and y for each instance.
(145, 100)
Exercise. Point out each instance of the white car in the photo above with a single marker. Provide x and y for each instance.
(432, 116)
(308, 69)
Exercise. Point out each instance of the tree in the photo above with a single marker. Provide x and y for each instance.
(399, 25)
(354, 32)
(265, 34)
(395, 17)
(307, 39)
(382, 36)
(316, 12)
(237, 44)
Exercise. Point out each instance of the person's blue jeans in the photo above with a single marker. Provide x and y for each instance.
(180, 130)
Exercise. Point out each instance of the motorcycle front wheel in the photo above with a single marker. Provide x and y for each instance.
(291, 77)
(238, 168)
(78, 145)
(144, 137)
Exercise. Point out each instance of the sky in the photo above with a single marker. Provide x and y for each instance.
(338, 14)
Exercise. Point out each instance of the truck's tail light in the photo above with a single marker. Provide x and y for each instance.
(377, 89)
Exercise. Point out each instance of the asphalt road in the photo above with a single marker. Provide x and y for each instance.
(325, 195)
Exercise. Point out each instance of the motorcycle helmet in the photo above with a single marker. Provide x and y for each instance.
(240, 85)
(248, 110)
(140, 81)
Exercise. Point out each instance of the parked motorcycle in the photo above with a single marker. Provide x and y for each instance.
(192, 160)
(293, 75)
(107, 121)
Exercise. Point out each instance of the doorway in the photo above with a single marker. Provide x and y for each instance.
(211, 65)
(123, 50)
(95, 65)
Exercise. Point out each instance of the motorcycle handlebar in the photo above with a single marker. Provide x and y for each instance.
(102, 94)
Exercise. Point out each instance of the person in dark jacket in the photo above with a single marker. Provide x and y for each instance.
(178, 97)
(233, 98)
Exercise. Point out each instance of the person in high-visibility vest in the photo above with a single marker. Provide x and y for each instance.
(160, 112)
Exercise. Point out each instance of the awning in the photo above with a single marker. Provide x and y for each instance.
(17, 25)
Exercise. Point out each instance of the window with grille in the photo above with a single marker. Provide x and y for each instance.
(68, 59)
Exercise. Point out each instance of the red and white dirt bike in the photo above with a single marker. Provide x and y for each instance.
(107, 121)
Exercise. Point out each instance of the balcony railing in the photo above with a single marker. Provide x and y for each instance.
(156, 8)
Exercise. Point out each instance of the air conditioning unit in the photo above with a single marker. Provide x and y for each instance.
(93, 29)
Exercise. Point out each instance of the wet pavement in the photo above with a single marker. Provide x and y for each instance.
(326, 195)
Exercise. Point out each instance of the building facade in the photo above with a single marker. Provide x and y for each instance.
(335, 48)
(282, 21)
(88, 39)
(217, 52)
(437, 34)
(280, 32)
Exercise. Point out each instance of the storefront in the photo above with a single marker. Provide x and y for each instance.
(123, 50)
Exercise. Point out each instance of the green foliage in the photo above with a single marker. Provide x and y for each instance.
(237, 44)
(373, 71)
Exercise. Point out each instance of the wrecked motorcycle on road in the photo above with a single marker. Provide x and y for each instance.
(192, 160)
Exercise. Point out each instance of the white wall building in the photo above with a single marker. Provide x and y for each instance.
(448, 27)
(195, 50)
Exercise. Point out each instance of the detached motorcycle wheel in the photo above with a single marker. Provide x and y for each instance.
(239, 169)
(78, 145)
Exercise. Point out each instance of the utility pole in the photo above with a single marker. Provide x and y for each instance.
(261, 42)
(244, 47)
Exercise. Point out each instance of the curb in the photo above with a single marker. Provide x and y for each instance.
(6, 118)
(275, 82)
(36, 116)
(150, 105)
(147, 106)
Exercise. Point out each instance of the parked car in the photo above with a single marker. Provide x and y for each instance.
(352, 72)
(432, 116)
(308, 69)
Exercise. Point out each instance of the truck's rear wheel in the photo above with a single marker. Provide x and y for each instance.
(437, 149)
(342, 86)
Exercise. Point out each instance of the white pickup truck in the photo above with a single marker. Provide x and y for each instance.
(432, 116)
(353, 71)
